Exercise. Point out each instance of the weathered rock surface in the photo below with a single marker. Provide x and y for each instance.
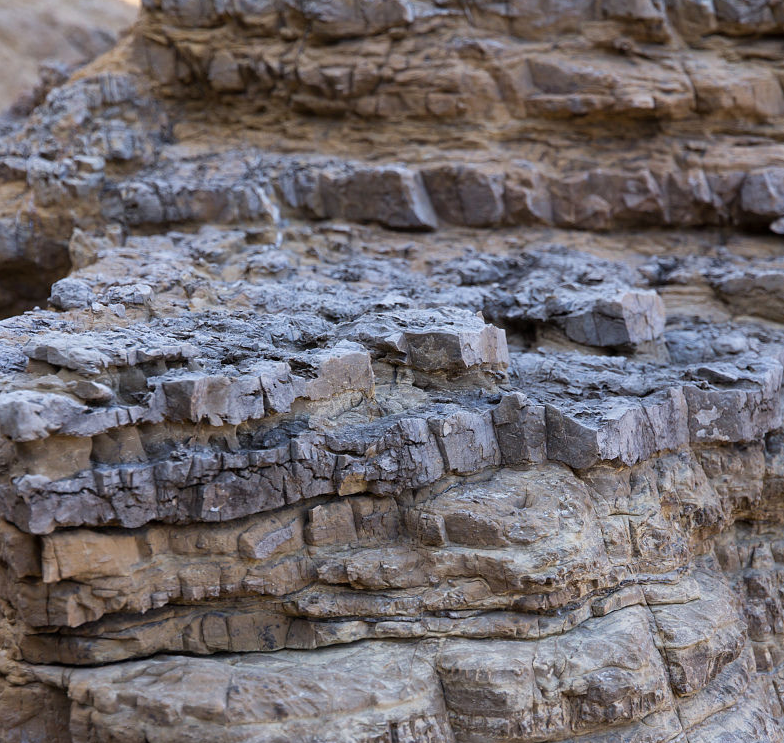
(410, 371)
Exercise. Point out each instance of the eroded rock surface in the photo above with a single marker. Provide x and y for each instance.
(410, 371)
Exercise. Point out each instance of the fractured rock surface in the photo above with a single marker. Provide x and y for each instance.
(410, 371)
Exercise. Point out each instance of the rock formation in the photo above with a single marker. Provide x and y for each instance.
(408, 371)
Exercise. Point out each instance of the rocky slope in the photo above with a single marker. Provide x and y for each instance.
(410, 371)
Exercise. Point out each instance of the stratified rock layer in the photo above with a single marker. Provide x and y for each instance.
(411, 371)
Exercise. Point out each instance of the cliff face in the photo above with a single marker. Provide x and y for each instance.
(411, 372)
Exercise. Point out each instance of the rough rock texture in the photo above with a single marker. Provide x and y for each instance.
(410, 372)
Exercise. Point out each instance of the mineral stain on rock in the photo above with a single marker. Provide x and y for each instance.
(407, 372)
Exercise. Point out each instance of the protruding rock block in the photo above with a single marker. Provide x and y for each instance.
(446, 340)
(392, 196)
(629, 318)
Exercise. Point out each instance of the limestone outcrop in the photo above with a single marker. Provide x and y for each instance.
(398, 372)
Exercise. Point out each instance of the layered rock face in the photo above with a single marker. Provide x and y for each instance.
(410, 371)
